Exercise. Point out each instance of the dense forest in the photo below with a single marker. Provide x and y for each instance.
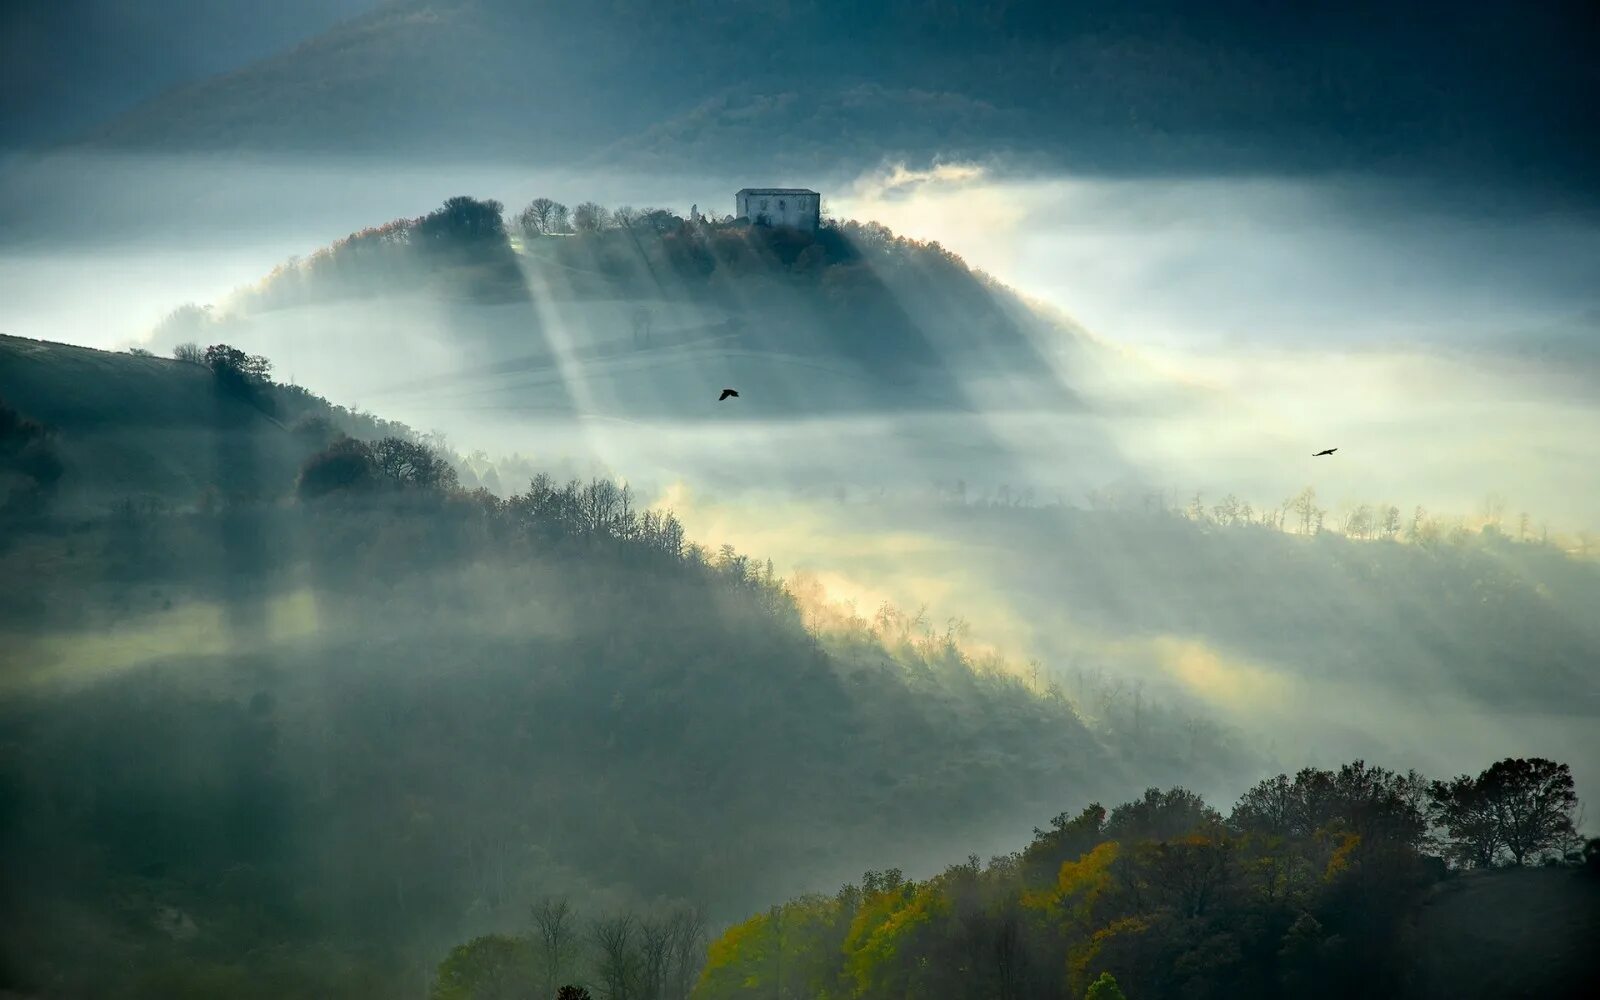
(1326, 883)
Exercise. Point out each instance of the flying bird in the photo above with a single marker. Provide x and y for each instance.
(1329, 451)
(726, 393)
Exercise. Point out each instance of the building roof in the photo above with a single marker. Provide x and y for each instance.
(776, 191)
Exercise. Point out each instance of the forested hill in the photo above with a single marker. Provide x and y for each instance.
(1149, 86)
(636, 311)
(299, 741)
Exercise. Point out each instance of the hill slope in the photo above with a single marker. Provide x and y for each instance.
(154, 428)
(299, 748)
(1510, 933)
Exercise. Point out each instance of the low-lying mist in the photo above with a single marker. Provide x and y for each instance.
(1251, 322)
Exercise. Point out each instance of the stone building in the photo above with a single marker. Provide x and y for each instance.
(798, 208)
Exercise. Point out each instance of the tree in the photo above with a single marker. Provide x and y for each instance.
(555, 931)
(492, 967)
(346, 465)
(231, 364)
(539, 217)
(1524, 808)
(1227, 512)
(1391, 521)
(1359, 522)
(573, 993)
(462, 220)
(1468, 818)
(687, 929)
(1104, 988)
(655, 957)
(590, 217)
(1068, 839)
(1160, 815)
(411, 464)
(190, 352)
(1304, 504)
(620, 966)
(659, 220)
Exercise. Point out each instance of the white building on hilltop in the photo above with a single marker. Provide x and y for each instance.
(798, 208)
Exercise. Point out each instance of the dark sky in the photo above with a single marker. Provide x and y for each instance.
(1500, 95)
(66, 64)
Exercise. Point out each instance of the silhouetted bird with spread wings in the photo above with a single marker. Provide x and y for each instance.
(1329, 451)
(726, 393)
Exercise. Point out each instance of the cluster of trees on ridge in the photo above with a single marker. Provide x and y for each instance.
(1305, 889)
(1301, 514)
(649, 957)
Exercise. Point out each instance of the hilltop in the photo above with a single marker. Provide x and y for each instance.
(634, 312)
(138, 428)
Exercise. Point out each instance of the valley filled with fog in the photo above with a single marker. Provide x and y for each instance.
(390, 606)
(1177, 339)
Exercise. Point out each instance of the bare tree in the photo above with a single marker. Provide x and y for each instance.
(1358, 523)
(655, 954)
(590, 217)
(537, 218)
(555, 926)
(1226, 512)
(619, 964)
(1391, 521)
(688, 948)
(1304, 505)
(1494, 509)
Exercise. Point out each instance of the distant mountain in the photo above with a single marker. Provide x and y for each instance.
(66, 66)
(1487, 92)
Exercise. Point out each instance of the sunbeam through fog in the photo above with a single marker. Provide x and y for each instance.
(1133, 404)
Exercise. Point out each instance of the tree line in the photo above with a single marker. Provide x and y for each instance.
(1304, 889)
(626, 956)
(1301, 514)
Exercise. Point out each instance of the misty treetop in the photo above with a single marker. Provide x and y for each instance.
(850, 291)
